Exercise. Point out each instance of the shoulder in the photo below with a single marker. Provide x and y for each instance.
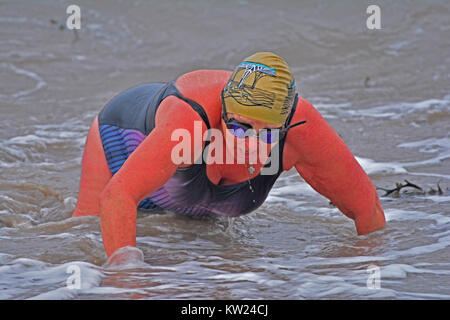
(204, 87)
(304, 111)
(175, 113)
(200, 79)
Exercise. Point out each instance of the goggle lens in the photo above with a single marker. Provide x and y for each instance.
(237, 130)
(241, 130)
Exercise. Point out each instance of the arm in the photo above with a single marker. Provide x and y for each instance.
(144, 172)
(326, 163)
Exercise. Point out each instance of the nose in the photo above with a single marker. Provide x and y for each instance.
(257, 127)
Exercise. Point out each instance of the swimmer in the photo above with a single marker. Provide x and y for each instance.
(128, 161)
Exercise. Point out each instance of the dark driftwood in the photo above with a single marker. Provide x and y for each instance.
(399, 186)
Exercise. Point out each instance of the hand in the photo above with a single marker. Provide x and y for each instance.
(126, 257)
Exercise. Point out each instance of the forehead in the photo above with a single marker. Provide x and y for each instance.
(254, 122)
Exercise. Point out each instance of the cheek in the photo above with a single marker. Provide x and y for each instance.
(230, 140)
(227, 134)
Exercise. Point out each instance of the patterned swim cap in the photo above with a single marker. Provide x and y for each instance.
(261, 87)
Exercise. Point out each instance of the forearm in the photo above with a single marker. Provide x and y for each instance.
(117, 220)
(359, 201)
(119, 201)
(340, 178)
(350, 190)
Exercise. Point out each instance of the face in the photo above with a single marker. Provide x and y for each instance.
(249, 145)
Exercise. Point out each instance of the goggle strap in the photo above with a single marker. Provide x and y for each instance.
(294, 125)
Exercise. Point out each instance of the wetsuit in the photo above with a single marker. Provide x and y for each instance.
(123, 141)
(126, 121)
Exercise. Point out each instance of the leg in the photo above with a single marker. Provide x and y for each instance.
(95, 174)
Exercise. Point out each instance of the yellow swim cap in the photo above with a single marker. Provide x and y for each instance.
(261, 87)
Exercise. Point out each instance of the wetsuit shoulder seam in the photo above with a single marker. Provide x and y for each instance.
(194, 105)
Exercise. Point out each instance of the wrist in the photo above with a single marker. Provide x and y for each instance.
(369, 223)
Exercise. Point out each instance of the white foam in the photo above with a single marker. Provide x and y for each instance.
(441, 244)
(319, 261)
(428, 145)
(239, 276)
(411, 215)
(353, 283)
(401, 271)
(40, 83)
(298, 188)
(32, 139)
(22, 278)
(247, 276)
(400, 110)
(439, 199)
(428, 174)
(326, 108)
(441, 146)
(372, 167)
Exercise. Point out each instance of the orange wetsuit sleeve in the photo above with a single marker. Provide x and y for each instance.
(144, 172)
(326, 163)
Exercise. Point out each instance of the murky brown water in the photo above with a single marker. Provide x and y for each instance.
(386, 92)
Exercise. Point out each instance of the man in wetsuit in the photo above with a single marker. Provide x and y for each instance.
(129, 160)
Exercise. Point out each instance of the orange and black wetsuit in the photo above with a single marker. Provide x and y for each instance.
(127, 161)
(126, 121)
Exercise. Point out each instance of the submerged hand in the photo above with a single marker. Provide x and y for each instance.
(374, 221)
(126, 257)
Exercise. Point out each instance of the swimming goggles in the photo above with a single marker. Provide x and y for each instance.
(242, 130)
